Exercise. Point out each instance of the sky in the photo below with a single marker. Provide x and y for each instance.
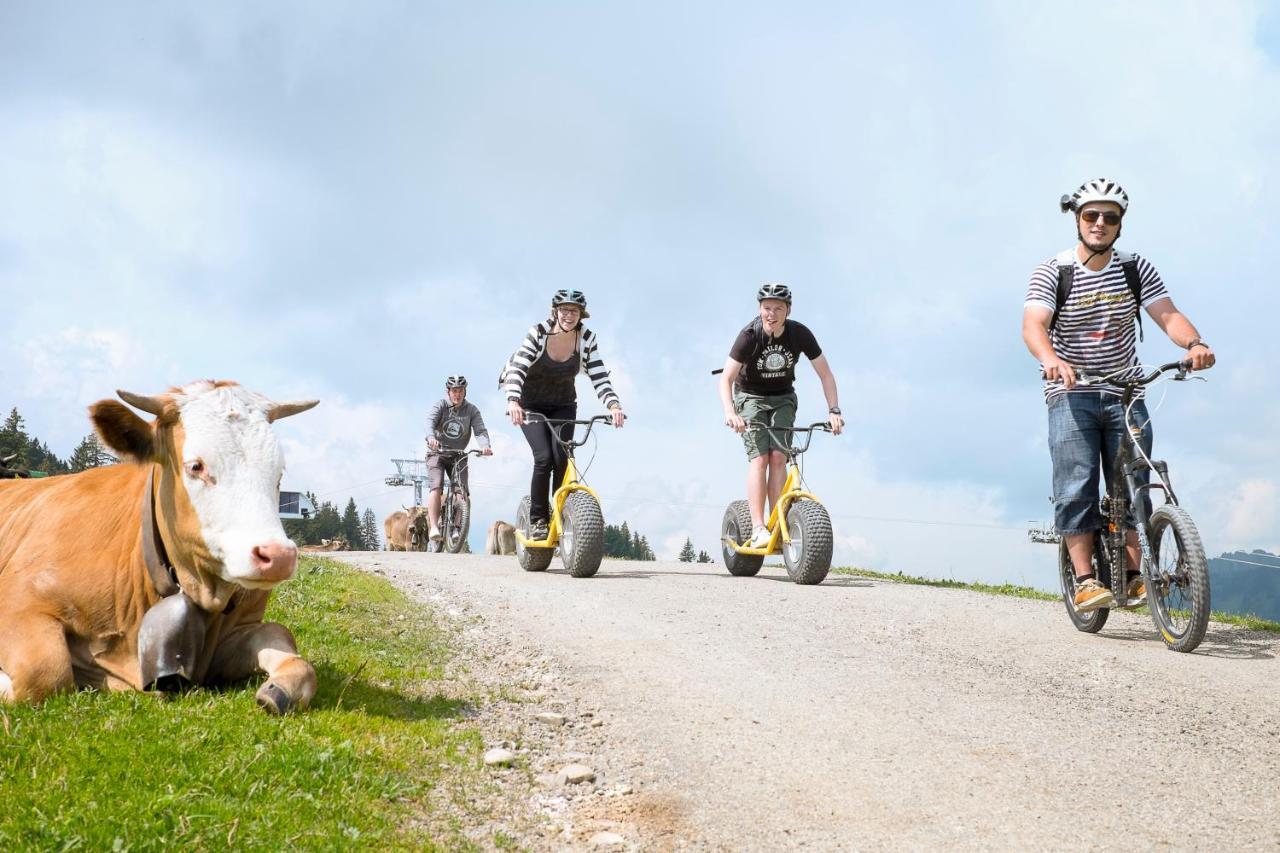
(353, 201)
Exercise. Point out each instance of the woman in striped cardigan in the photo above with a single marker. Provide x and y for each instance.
(540, 378)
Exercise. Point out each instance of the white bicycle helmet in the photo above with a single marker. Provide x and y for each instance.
(570, 297)
(455, 382)
(774, 290)
(1099, 189)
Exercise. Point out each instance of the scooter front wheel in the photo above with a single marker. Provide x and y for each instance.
(1178, 581)
(808, 554)
(582, 540)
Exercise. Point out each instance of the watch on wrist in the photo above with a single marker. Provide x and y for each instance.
(834, 410)
(1197, 343)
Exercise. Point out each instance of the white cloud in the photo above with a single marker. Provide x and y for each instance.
(1254, 511)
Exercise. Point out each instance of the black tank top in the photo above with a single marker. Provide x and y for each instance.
(551, 382)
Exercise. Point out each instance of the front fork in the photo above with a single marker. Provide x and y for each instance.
(1141, 518)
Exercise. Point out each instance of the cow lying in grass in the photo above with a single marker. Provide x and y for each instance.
(155, 572)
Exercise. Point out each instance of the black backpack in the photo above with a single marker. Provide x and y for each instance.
(1066, 278)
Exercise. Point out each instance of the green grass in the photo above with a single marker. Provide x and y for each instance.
(210, 770)
(1253, 623)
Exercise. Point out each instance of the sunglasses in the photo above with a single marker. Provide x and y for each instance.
(1108, 218)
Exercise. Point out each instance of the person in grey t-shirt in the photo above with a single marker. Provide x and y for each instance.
(449, 427)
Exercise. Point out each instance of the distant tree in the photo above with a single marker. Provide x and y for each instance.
(31, 453)
(643, 551)
(90, 453)
(13, 438)
(351, 528)
(369, 531)
(703, 557)
(328, 523)
(686, 553)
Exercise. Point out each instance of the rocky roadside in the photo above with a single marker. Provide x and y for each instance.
(559, 782)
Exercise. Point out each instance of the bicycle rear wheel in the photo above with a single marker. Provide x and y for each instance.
(1178, 579)
(1090, 622)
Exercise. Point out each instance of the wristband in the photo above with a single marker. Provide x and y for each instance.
(1197, 343)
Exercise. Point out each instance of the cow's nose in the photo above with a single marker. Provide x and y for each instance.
(275, 561)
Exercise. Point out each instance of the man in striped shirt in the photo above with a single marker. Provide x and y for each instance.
(1093, 330)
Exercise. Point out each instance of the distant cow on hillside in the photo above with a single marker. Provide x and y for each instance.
(337, 543)
(407, 530)
(154, 572)
(501, 539)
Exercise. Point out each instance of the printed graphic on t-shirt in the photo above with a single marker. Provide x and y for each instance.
(453, 428)
(775, 362)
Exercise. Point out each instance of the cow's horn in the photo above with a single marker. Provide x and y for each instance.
(150, 405)
(284, 410)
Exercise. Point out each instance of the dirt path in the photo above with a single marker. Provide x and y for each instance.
(750, 713)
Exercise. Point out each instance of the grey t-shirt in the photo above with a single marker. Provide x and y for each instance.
(453, 426)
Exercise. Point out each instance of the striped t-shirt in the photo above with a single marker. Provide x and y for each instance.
(1095, 331)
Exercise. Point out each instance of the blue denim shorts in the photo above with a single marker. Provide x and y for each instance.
(1085, 431)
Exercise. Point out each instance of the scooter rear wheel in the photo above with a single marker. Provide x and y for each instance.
(530, 559)
(737, 528)
(1090, 622)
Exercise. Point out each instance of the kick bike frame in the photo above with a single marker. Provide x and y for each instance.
(571, 482)
(791, 491)
(1125, 494)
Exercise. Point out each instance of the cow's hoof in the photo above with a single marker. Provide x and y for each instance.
(273, 699)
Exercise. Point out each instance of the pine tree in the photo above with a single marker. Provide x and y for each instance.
(351, 530)
(328, 523)
(643, 551)
(369, 527)
(686, 553)
(90, 453)
(703, 557)
(13, 439)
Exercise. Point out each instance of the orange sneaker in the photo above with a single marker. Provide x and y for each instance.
(1091, 595)
(1136, 591)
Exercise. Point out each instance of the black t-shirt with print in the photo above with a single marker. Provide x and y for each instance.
(769, 364)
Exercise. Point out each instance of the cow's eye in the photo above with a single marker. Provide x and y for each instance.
(195, 468)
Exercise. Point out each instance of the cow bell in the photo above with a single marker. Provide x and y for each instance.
(170, 641)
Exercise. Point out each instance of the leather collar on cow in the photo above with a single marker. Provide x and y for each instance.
(163, 575)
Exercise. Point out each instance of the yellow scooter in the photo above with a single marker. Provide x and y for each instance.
(576, 523)
(799, 524)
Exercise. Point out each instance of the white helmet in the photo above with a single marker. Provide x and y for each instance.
(1099, 189)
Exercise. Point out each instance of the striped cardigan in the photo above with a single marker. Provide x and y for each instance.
(535, 344)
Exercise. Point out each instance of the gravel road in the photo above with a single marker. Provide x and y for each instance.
(754, 714)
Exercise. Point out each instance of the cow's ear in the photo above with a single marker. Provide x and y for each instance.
(123, 431)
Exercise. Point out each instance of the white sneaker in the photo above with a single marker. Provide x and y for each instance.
(436, 535)
(760, 538)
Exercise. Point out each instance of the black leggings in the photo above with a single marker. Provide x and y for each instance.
(549, 459)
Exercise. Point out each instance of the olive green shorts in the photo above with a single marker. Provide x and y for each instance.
(776, 411)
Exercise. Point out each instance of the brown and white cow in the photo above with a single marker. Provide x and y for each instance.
(501, 539)
(159, 568)
(407, 530)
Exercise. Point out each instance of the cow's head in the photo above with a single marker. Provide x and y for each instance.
(218, 470)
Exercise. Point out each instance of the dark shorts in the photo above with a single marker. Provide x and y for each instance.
(437, 464)
(777, 411)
